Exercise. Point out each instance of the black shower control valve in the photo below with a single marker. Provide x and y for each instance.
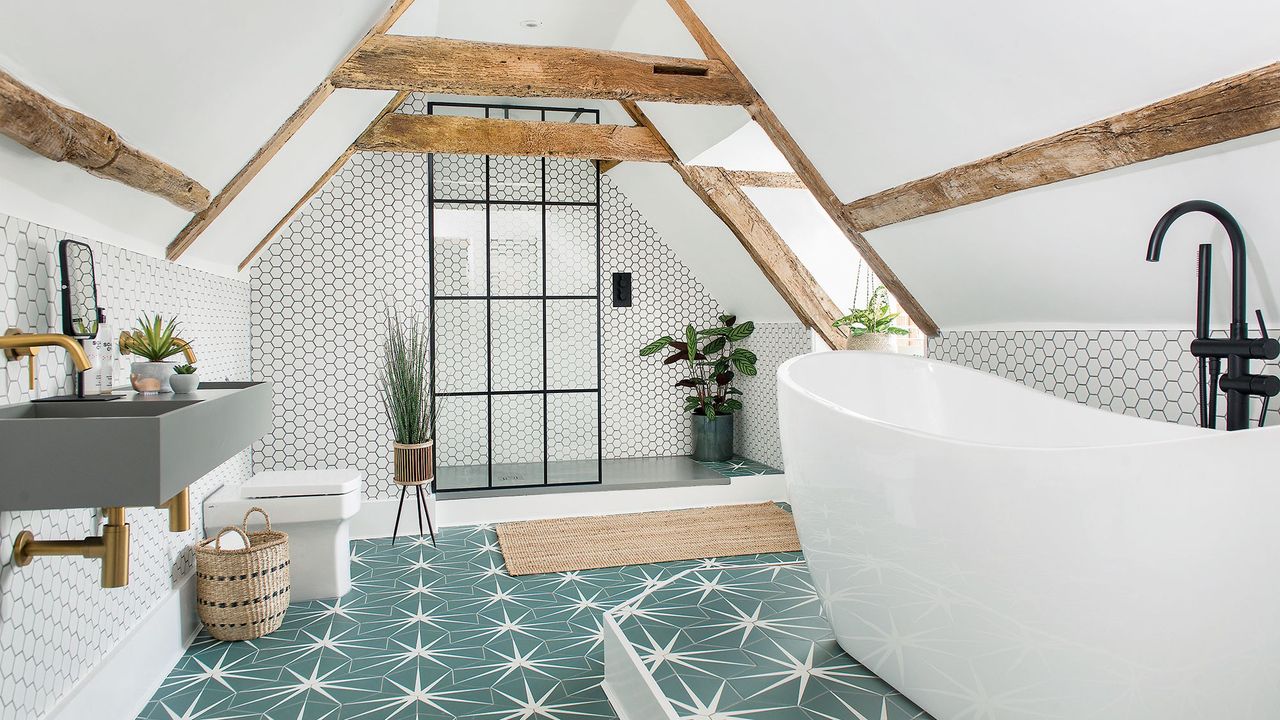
(1263, 385)
(622, 289)
(1257, 348)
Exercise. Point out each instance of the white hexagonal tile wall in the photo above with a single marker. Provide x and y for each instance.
(1146, 373)
(56, 622)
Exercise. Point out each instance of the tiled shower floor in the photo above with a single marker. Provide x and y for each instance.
(445, 633)
(618, 474)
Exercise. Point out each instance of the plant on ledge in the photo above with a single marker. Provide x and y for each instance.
(712, 360)
(185, 379)
(871, 327)
(155, 341)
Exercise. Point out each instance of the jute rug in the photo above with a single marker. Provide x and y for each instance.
(587, 543)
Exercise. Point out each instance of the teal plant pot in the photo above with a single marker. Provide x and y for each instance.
(712, 439)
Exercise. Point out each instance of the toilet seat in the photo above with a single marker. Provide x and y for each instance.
(289, 497)
(301, 483)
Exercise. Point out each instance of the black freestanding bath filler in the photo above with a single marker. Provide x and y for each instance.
(1238, 383)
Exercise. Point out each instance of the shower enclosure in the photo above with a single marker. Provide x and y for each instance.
(515, 293)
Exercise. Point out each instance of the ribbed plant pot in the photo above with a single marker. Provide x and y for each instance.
(150, 378)
(873, 342)
(183, 384)
(712, 439)
(413, 463)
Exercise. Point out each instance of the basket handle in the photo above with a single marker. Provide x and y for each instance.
(217, 541)
(255, 509)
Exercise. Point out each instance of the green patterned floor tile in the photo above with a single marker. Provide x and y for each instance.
(749, 642)
(738, 466)
(429, 633)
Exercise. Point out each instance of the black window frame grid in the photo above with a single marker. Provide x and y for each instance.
(489, 298)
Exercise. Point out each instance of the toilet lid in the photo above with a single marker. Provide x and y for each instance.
(299, 483)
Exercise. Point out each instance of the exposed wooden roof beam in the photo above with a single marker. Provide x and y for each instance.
(462, 67)
(765, 179)
(65, 135)
(809, 174)
(772, 255)
(319, 183)
(493, 136)
(1238, 106)
(203, 219)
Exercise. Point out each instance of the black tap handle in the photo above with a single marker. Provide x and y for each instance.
(1266, 399)
(1250, 384)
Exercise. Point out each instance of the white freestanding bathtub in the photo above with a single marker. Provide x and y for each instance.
(996, 552)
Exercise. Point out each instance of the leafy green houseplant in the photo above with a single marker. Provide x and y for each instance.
(711, 360)
(871, 327)
(184, 379)
(405, 385)
(155, 341)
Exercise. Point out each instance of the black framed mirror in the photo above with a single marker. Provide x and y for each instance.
(79, 290)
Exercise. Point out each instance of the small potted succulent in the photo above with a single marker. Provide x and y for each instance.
(184, 379)
(711, 361)
(156, 341)
(871, 327)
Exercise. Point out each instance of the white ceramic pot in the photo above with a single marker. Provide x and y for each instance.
(184, 383)
(874, 342)
(150, 378)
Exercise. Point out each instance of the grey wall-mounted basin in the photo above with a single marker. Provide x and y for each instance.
(136, 452)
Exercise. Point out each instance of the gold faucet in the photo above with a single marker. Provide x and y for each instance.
(111, 547)
(126, 346)
(18, 344)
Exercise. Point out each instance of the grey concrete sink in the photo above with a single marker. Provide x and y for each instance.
(137, 451)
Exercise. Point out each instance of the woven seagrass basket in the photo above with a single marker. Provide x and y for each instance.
(242, 593)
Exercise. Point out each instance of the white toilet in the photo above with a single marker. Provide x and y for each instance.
(314, 507)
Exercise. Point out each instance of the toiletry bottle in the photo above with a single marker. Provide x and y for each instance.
(106, 359)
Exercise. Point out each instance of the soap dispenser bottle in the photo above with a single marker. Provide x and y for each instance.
(99, 380)
(105, 359)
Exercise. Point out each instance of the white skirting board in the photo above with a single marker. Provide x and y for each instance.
(122, 682)
(377, 517)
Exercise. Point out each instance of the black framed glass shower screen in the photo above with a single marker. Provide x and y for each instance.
(515, 296)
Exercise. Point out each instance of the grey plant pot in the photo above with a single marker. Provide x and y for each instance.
(150, 378)
(712, 439)
(183, 384)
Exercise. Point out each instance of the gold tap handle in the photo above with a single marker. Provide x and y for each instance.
(31, 372)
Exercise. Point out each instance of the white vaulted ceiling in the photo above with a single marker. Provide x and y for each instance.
(875, 93)
(199, 85)
(882, 93)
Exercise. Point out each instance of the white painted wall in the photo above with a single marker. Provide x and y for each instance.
(1071, 256)
(809, 231)
(882, 93)
(701, 241)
